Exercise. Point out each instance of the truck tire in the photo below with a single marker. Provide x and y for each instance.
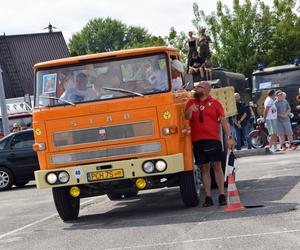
(131, 194)
(6, 179)
(190, 186)
(120, 196)
(66, 205)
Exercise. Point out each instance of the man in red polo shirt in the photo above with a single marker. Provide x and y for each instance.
(204, 114)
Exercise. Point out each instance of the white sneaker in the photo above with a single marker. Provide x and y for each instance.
(274, 149)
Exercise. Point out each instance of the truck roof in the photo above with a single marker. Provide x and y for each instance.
(104, 55)
(276, 69)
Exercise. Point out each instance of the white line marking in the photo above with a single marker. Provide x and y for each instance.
(206, 239)
(29, 225)
(39, 221)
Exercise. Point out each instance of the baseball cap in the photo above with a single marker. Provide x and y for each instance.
(177, 65)
(278, 92)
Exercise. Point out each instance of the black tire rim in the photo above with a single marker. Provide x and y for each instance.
(257, 141)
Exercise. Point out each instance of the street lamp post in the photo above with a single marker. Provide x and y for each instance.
(4, 115)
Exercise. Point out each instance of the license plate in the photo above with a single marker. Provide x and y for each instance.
(105, 175)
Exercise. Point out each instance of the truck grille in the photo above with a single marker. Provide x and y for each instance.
(100, 134)
(105, 153)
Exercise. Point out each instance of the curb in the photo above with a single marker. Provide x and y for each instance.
(252, 152)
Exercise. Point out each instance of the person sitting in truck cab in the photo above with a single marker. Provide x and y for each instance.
(80, 92)
(176, 74)
(157, 78)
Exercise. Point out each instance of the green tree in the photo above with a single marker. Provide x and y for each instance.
(251, 33)
(286, 46)
(101, 35)
(176, 40)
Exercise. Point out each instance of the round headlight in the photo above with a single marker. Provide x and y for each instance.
(51, 178)
(148, 167)
(63, 177)
(160, 166)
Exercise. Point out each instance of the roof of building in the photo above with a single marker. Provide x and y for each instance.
(18, 55)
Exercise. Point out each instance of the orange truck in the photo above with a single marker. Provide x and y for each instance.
(110, 124)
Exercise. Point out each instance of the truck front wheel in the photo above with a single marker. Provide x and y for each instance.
(190, 186)
(66, 205)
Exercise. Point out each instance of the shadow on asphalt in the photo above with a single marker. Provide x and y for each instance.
(15, 188)
(165, 206)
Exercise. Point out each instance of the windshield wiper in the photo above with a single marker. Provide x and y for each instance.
(123, 90)
(58, 99)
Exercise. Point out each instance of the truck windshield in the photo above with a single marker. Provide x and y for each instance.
(98, 81)
(276, 80)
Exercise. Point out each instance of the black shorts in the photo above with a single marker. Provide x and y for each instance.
(206, 151)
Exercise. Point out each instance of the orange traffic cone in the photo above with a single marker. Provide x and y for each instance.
(233, 199)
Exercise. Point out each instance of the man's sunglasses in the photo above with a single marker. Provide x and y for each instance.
(201, 117)
(199, 87)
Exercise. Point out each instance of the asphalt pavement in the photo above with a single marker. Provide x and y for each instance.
(268, 186)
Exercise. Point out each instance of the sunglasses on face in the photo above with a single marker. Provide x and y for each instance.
(200, 87)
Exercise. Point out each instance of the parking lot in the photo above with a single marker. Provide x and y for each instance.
(268, 185)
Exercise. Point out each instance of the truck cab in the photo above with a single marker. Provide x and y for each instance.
(283, 77)
(110, 124)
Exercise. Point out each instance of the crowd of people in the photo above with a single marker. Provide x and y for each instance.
(205, 113)
(199, 54)
(276, 116)
(276, 119)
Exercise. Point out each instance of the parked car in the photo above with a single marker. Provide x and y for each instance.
(18, 161)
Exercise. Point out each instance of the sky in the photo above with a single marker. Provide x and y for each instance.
(70, 16)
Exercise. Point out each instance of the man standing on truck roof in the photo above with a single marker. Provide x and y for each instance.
(204, 114)
(204, 51)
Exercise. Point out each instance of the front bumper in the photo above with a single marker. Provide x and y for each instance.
(132, 169)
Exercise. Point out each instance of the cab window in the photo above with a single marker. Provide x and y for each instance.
(102, 80)
(25, 140)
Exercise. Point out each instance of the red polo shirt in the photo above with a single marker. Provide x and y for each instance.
(212, 109)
